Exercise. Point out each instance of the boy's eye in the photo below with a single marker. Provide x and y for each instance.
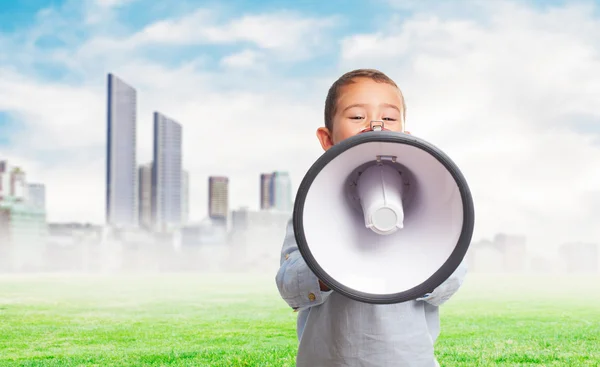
(389, 119)
(356, 117)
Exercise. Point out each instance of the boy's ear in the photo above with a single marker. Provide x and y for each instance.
(324, 136)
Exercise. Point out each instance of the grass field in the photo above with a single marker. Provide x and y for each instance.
(217, 320)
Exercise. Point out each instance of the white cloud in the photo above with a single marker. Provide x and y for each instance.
(189, 29)
(112, 3)
(287, 35)
(501, 94)
(57, 116)
(246, 59)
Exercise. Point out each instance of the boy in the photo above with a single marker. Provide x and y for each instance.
(332, 329)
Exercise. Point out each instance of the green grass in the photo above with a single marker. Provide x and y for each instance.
(240, 321)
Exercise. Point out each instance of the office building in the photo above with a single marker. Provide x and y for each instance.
(281, 191)
(167, 173)
(257, 236)
(36, 196)
(145, 195)
(13, 184)
(22, 225)
(4, 179)
(580, 257)
(23, 230)
(17, 187)
(266, 199)
(514, 250)
(218, 199)
(185, 197)
(121, 166)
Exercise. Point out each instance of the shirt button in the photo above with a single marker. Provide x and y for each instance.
(311, 297)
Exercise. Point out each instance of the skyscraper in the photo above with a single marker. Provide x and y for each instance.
(36, 196)
(13, 186)
(218, 199)
(145, 195)
(17, 184)
(166, 173)
(266, 199)
(281, 191)
(12, 183)
(185, 197)
(22, 225)
(4, 180)
(121, 166)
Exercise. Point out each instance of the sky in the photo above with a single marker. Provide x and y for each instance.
(509, 90)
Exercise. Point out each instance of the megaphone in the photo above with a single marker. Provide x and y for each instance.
(383, 217)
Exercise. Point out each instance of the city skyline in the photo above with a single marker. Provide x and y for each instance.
(166, 171)
(161, 200)
(249, 84)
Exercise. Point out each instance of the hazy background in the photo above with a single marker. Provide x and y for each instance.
(508, 89)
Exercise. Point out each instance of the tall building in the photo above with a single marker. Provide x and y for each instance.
(121, 166)
(185, 197)
(4, 180)
(145, 195)
(580, 257)
(255, 234)
(22, 225)
(22, 235)
(266, 199)
(514, 249)
(36, 196)
(13, 185)
(281, 191)
(16, 184)
(218, 199)
(166, 173)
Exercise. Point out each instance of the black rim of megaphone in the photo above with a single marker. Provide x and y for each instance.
(441, 274)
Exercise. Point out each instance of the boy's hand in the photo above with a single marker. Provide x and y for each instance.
(323, 287)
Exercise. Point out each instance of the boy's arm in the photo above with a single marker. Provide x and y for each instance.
(448, 288)
(297, 284)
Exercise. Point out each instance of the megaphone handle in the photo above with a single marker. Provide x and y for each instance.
(323, 286)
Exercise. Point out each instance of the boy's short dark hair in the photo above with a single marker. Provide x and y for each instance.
(348, 78)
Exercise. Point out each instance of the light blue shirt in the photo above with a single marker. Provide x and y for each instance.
(334, 330)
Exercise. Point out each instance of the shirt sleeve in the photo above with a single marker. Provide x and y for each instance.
(448, 288)
(297, 284)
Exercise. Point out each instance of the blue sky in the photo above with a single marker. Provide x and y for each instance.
(511, 85)
(133, 16)
(126, 17)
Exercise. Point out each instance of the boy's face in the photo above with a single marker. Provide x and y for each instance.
(358, 104)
